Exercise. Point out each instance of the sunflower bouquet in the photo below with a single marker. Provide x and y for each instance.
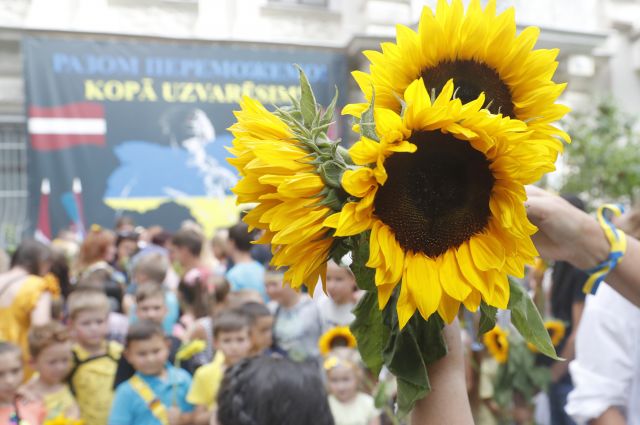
(518, 378)
(430, 199)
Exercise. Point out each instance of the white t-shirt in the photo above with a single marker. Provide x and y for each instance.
(359, 411)
(606, 371)
(335, 314)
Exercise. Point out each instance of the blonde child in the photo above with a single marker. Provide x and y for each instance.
(232, 342)
(14, 409)
(348, 404)
(95, 358)
(335, 309)
(51, 357)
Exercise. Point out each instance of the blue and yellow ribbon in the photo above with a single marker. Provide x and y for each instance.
(618, 241)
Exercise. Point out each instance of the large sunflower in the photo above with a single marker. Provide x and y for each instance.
(442, 192)
(497, 344)
(480, 51)
(278, 174)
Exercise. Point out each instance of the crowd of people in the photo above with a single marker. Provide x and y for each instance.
(142, 326)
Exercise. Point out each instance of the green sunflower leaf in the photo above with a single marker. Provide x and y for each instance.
(307, 100)
(365, 276)
(370, 331)
(327, 116)
(526, 318)
(487, 318)
(367, 121)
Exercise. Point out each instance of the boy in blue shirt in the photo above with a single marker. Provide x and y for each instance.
(246, 272)
(156, 393)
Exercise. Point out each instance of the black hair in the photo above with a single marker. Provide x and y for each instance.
(230, 321)
(273, 391)
(242, 237)
(142, 331)
(253, 310)
(190, 239)
(30, 254)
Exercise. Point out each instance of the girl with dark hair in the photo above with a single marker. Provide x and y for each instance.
(273, 391)
(25, 297)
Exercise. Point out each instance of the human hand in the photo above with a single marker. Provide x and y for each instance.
(565, 232)
(173, 415)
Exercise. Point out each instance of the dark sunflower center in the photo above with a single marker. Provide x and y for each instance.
(470, 79)
(437, 197)
(339, 341)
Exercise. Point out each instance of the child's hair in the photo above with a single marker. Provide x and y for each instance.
(44, 336)
(229, 321)
(344, 356)
(142, 331)
(242, 237)
(273, 391)
(222, 288)
(190, 239)
(197, 289)
(253, 310)
(87, 298)
(7, 347)
(149, 290)
(95, 245)
(153, 265)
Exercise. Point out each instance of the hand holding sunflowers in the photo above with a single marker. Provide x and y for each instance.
(430, 199)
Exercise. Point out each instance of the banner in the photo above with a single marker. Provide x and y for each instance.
(139, 129)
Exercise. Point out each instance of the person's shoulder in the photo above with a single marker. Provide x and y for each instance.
(114, 349)
(365, 399)
(178, 374)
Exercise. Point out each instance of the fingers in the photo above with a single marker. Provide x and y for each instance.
(535, 191)
(537, 208)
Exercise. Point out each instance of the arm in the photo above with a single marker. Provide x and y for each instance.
(41, 313)
(447, 403)
(201, 416)
(559, 369)
(567, 233)
(612, 416)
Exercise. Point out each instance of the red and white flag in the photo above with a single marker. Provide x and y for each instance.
(65, 126)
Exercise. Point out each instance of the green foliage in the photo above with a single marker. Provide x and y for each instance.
(526, 318)
(604, 156)
(519, 374)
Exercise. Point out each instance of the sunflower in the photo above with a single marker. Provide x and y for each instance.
(497, 343)
(480, 51)
(442, 192)
(340, 336)
(277, 173)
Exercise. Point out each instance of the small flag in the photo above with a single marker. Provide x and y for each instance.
(65, 126)
(43, 232)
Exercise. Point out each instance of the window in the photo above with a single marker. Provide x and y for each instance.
(13, 182)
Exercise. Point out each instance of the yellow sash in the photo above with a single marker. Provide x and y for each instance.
(155, 405)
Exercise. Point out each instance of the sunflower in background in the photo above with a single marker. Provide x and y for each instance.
(556, 329)
(480, 51)
(339, 336)
(278, 164)
(497, 344)
(442, 192)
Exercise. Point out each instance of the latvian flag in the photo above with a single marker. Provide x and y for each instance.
(65, 126)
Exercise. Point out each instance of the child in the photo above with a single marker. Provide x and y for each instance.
(232, 342)
(95, 358)
(260, 326)
(50, 349)
(341, 287)
(297, 323)
(151, 306)
(157, 392)
(348, 405)
(246, 272)
(152, 267)
(13, 409)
